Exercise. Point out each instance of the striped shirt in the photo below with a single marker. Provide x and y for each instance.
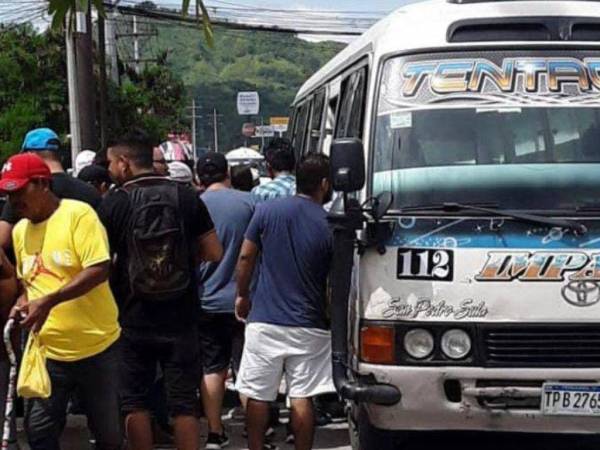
(282, 186)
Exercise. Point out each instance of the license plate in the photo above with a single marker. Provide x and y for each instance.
(571, 399)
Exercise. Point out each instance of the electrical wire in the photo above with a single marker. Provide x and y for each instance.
(347, 29)
(289, 18)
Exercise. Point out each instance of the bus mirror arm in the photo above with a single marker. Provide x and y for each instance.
(340, 280)
(360, 391)
(378, 232)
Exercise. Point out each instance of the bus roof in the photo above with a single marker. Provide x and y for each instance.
(425, 25)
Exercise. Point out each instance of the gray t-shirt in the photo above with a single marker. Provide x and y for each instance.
(231, 212)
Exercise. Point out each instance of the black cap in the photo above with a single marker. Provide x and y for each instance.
(94, 174)
(212, 164)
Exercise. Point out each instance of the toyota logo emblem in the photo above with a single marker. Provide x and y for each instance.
(581, 293)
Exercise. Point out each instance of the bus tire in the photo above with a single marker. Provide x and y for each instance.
(353, 432)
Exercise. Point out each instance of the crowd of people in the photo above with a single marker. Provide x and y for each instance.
(148, 284)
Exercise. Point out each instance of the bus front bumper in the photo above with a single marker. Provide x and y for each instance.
(475, 398)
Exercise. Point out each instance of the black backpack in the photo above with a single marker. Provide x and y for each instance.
(159, 258)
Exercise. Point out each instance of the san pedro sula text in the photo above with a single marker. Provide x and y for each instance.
(469, 75)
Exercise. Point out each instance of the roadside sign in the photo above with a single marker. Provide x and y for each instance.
(248, 129)
(280, 124)
(264, 131)
(248, 103)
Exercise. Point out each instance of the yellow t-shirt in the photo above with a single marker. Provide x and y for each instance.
(49, 255)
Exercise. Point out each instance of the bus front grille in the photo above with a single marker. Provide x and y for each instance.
(542, 345)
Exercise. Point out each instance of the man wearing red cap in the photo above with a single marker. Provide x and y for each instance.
(63, 260)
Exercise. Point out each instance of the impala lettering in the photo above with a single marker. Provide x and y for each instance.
(540, 266)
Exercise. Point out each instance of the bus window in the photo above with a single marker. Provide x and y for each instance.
(351, 112)
(329, 124)
(316, 122)
(300, 124)
(289, 134)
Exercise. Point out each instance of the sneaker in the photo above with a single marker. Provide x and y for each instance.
(289, 434)
(216, 441)
(322, 418)
(268, 434)
(270, 446)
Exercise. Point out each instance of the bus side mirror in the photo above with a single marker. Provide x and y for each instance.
(347, 165)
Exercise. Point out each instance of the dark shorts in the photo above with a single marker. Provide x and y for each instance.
(177, 354)
(221, 342)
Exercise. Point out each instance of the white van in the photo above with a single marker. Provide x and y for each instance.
(465, 139)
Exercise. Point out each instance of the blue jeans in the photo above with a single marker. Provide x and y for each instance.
(97, 379)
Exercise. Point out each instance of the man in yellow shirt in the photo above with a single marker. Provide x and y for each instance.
(63, 262)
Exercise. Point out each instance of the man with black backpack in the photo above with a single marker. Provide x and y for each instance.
(159, 230)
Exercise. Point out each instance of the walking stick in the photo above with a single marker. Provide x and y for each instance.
(12, 381)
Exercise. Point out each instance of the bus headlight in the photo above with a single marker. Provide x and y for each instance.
(418, 343)
(456, 344)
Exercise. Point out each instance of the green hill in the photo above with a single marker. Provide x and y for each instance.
(274, 64)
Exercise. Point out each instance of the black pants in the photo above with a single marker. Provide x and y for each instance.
(221, 342)
(96, 378)
(177, 355)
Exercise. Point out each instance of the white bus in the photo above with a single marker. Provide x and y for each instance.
(465, 139)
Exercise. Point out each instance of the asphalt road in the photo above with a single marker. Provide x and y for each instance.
(335, 437)
(331, 437)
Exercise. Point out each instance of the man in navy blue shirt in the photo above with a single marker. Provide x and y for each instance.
(287, 328)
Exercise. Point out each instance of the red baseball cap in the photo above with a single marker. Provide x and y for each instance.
(21, 169)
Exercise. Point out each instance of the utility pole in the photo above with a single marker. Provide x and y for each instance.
(138, 32)
(102, 82)
(136, 46)
(262, 135)
(86, 83)
(80, 65)
(216, 129)
(111, 42)
(194, 131)
(74, 124)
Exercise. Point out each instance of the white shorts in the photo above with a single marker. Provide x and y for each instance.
(270, 351)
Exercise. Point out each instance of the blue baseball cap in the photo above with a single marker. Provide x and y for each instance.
(40, 139)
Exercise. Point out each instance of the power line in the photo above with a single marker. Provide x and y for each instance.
(277, 18)
(176, 16)
(23, 15)
(239, 6)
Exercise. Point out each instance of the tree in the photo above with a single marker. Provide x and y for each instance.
(273, 64)
(153, 100)
(32, 87)
(33, 91)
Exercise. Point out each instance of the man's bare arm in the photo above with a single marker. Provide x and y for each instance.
(245, 269)
(210, 248)
(9, 287)
(5, 235)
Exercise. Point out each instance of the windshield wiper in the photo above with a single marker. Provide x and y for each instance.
(576, 227)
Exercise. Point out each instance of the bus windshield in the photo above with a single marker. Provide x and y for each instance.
(517, 155)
